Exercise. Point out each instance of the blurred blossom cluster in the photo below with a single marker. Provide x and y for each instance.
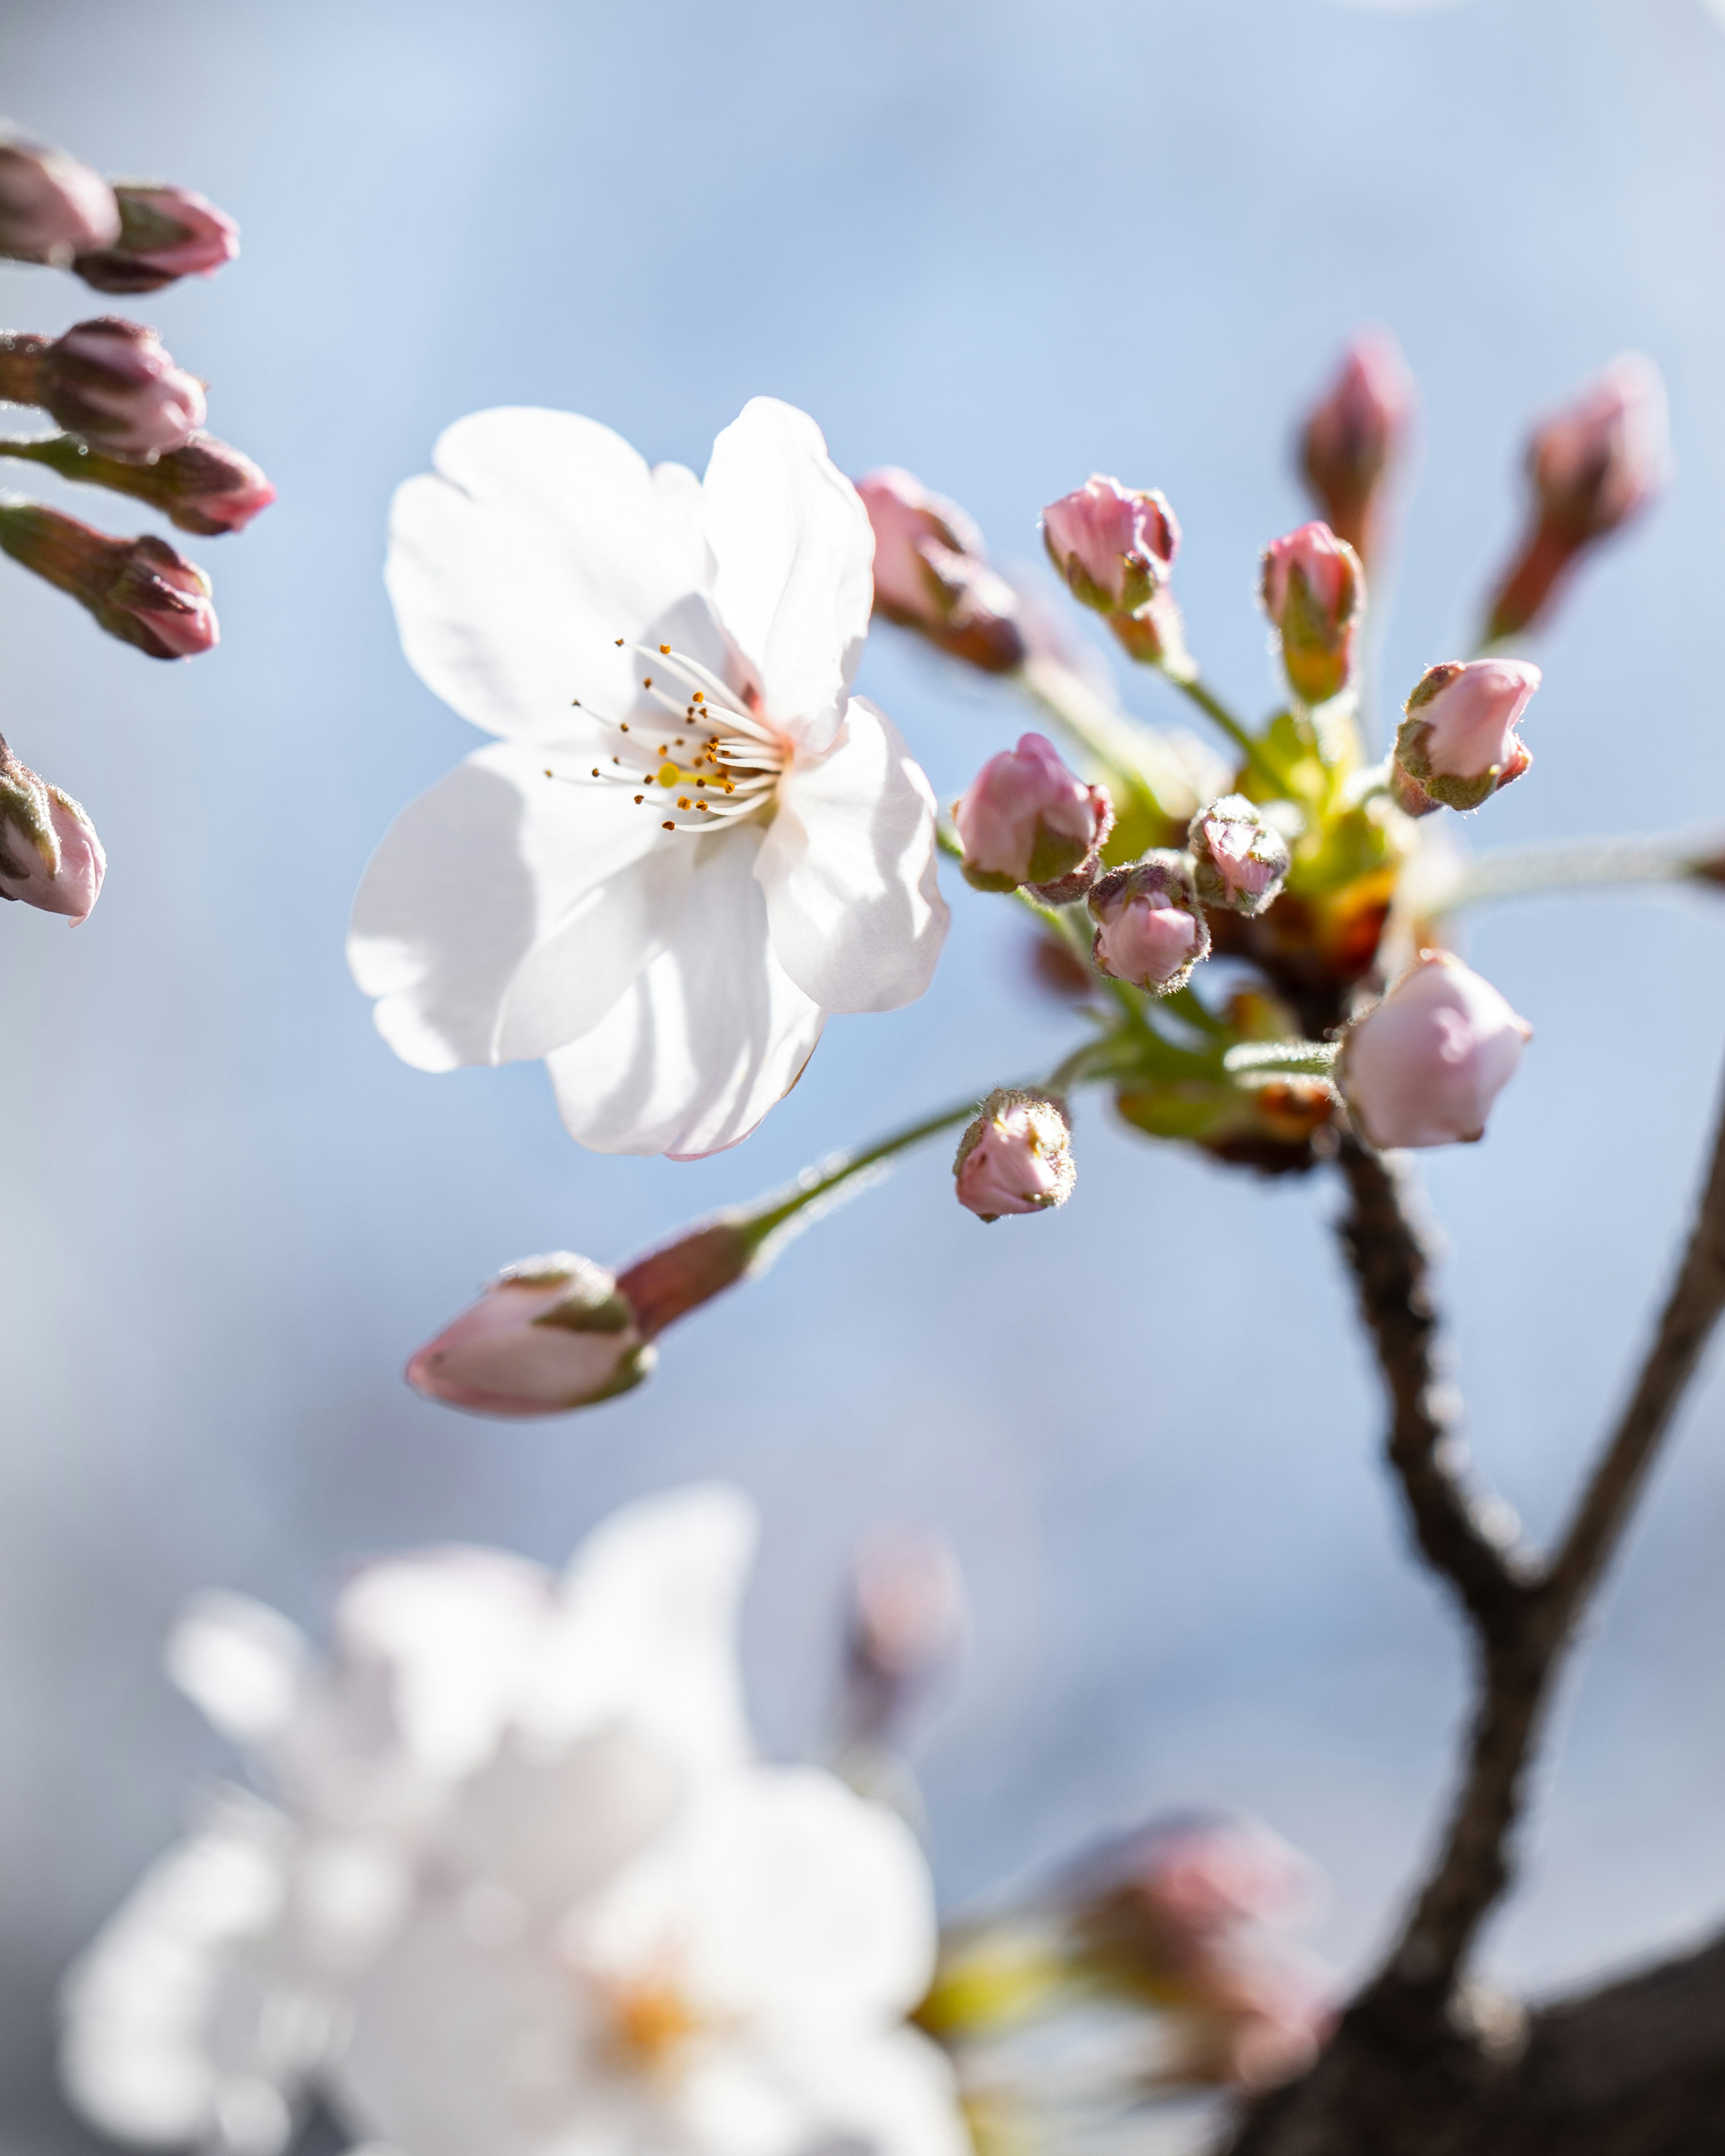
(132, 421)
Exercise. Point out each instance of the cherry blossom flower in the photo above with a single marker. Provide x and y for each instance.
(692, 843)
(525, 1886)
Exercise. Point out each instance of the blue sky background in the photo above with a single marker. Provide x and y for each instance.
(1004, 246)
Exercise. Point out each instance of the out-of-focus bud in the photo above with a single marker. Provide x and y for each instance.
(1239, 857)
(138, 590)
(1114, 546)
(1422, 1067)
(206, 487)
(1594, 466)
(109, 382)
(165, 233)
(1354, 434)
(1184, 1917)
(931, 574)
(1016, 1157)
(1314, 592)
(547, 1335)
(1150, 927)
(905, 1627)
(50, 856)
(51, 207)
(1028, 820)
(1458, 744)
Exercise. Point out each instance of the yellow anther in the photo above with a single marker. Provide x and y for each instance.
(665, 650)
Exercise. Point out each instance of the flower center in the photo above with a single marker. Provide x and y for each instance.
(650, 2022)
(698, 754)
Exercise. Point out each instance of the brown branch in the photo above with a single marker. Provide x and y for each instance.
(1409, 2030)
(1386, 1248)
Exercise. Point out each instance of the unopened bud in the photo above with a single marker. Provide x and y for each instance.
(138, 590)
(931, 574)
(1016, 1157)
(1028, 820)
(906, 1626)
(50, 856)
(1314, 592)
(1114, 546)
(1422, 1067)
(1354, 434)
(1150, 927)
(205, 487)
(51, 207)
(1594, 466)
(1239, 857)
(1458, 744)
(165, 233)
(109, 382)
(548, 1335)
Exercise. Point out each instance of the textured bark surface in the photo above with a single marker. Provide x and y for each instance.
(1421, 2065)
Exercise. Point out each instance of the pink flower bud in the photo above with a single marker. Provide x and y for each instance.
(1027, 820)
(1239, 857)
(1150, 927)
(50, 856)
(165, 233)
(932, 575)
(1458, 744)
(1314, 592)
(1355, 433)
(1422, 1067)
(1113, 546)
(548, 1335)
(905, 1627)
(205, 487)
(51, 207)
(1594, 466)
(1016, 1157)
(109, 382)
(138, 590)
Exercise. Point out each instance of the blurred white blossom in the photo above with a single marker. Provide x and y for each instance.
(520, 1884)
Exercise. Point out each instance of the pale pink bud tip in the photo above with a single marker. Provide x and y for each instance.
(1016, 1157)
(1355, 433)
(1313, 590)
(1028, 820)
(51, 207)
(112, 383)
(1113, 545)
(1239, 857)
(548, 1335)
(1458, 744)
(931, 574)
(165, 233)
(50, 856)
(1150, 927)
(1422, 1067)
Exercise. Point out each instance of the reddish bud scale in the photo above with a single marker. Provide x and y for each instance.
(932, 575)
(109, 382)
(138, 590)
(1354, 434)
(205, 487)
(165, 232)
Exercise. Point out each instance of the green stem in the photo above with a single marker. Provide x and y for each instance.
(1312, 1059)
(1138, 759)
(1511, 874)
(817, 1188)
(1268, 767)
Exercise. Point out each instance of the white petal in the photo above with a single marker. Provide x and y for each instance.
(239, 1662)
(647, 1632)
(505, 911)
(165, 2023)
(848, 870)
(794, 559)
(887, 2095)
(714, 1032)
(541, 538)
(785, 1898)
